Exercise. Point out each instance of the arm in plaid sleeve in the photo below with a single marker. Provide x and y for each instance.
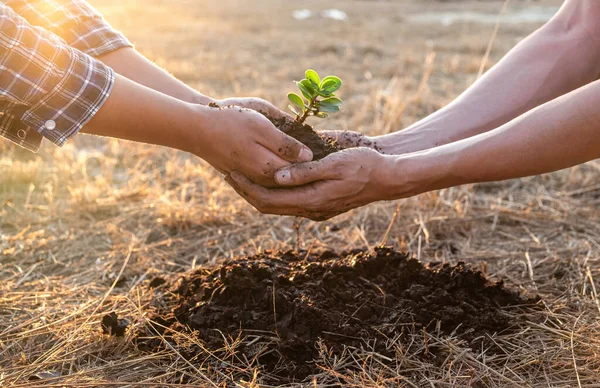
(83, 28)
(55, 90)
(47, 88)
(76, 21)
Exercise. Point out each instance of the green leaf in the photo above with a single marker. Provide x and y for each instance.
(313, 77)
(331, 101)
(331, 78)
(325, 94)
(329, 108)
(322, 115)
(296, 100)
(330, 84)
(307, 89)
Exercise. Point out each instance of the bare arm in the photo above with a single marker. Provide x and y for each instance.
(561, 56)
(559, 134)
(133, 65)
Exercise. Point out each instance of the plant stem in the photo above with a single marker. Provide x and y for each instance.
(301, 119)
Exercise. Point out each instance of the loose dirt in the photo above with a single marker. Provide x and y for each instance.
(304, 133)
(295, 302)
(113, 325)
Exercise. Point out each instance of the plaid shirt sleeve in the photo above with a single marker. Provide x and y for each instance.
(47, 88)
(76, 21)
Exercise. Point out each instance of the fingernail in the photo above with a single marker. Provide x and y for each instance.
(306, 154)
(235, 175)
(283, 176)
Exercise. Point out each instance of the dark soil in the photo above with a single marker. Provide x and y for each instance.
(112, 325)
(304, 133)
(356, 299)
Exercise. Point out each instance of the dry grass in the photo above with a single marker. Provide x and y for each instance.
(84, 227)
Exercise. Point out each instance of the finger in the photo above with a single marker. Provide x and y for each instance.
(274, 111)
(236, 187)
(304, 173)
(260, 105)
(292, 202)
(350, 139)
(254, 194)
(274, 201)
(263, 172)
(287, 147)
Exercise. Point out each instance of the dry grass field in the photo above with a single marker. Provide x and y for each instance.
(85, 227)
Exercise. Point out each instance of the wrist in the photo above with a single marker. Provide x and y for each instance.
(193, 128)
(431, 132)
(405, 141)
(420, 172)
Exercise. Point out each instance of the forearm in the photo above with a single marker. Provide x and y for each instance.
(151, 117)
(131, 64)
(555, 60)
(559, 134)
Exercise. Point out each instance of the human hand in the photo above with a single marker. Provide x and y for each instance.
(254, 103)
(324, 188)
(351, 139)
(243, 140)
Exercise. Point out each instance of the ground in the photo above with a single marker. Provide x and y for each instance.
(85, 228)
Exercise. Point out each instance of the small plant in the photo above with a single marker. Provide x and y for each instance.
(319, 94)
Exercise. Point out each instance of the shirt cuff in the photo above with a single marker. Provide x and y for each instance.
(77, 97)
(93, 36)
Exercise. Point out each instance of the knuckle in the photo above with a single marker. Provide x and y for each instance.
(289, 147)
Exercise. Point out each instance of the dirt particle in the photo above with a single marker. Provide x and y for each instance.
(156, 282)
(112, 325)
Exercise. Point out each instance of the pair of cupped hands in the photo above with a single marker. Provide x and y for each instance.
(276, 174)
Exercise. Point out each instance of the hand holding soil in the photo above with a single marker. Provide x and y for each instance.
(321, 189)
(239, 139)
(346, 171)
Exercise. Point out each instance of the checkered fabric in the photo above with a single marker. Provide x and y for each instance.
(50, 85)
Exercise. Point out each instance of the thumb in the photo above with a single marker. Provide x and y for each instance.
(304, 173)
(284, 146)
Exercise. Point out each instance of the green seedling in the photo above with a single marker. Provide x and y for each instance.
(319, 95)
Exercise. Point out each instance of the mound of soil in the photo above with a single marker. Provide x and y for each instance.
(295, 300)
(304, 133)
